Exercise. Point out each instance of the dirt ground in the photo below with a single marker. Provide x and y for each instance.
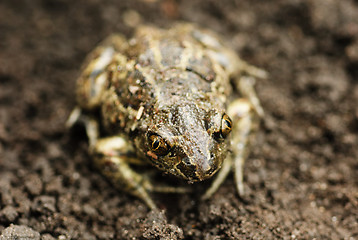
(301, 178)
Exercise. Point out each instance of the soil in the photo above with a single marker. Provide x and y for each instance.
(300, 178)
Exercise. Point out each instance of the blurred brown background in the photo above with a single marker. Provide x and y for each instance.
(301, 177)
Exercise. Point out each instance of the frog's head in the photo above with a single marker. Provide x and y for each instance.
(188, 142)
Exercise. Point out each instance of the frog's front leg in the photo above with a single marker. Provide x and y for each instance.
(113, 156)
(245, 122)
(245, 113)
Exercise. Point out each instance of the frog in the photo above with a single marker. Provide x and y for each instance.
(177, 100)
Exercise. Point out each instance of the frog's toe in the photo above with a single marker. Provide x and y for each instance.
(239, 176)
(74, 117)
(141, 192)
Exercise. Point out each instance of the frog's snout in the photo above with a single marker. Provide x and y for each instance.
(197, 169)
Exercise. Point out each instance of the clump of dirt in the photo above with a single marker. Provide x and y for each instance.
(300, 179)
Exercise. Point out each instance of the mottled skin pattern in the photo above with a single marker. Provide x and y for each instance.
(165, 97)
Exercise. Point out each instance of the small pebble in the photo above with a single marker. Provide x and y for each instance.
(19, 232)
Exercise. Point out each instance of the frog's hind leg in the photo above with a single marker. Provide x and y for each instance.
(93, 81)
(90, 123)
(245, 86)
(95, 72)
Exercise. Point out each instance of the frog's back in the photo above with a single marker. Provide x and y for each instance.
(159, 67)
(185, 47)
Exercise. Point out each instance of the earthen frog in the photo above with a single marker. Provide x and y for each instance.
(178, 99)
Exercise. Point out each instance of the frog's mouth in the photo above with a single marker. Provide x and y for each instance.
(197, 172)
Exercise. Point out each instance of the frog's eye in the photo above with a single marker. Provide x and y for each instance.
(158, 145)
(226, 126)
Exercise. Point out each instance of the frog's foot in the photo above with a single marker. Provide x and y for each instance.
(251, 70)
(245, 122)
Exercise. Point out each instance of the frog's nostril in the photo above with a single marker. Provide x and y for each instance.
(186, 160)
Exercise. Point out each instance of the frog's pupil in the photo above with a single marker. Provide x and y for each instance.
(155, 144)
(228, 123)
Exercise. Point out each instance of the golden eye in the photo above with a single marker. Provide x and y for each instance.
(226, 126)
(158, 145)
